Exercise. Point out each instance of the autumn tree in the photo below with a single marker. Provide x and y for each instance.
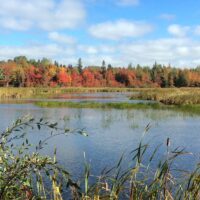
(88, 78)
(18, 77)
(63, 77)
(77, 79)
(21, 72)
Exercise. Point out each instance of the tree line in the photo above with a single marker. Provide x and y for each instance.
(21, 72)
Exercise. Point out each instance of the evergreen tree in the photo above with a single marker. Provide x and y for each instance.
(109, 66)
(80, 66)
(103, 69)
(130, 66)
(103, 63)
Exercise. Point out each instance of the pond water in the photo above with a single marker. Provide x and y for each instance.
(111, 132)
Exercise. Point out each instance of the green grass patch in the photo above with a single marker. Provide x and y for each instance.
(92, 104)
(192, 109)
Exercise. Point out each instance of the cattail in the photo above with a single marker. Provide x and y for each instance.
(168, 142)
(105, 186)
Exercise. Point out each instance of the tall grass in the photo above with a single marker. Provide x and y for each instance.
(17, 93)
(23, 174)
(139, 181)
(172, 96)
(169, 96)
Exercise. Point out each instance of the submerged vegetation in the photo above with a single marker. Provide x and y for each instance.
(26, 175)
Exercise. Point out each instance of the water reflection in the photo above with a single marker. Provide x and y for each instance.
(111, 132)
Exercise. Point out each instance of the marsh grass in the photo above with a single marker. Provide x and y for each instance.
(172, 96)
(142, 178)
(19, 93)
(139, 181)
(190, 109)
(93, 104)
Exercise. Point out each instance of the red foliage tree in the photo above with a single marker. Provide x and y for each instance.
(64, 79)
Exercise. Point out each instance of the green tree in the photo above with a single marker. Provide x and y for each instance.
(20, 59)
(109, 66)
(45, 62)
(130, 66)
(80, 66)
(182, 80)
(1, 75)
(103, 69)
(103, 63)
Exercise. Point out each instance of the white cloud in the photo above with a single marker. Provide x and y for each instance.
(178, 30)
(197, 30)
(128, 2)
(14, 24)
(33, 51)
(167, 16)
(178, 51)
(51, 51)
(98, 49)
(61, 38)
(45, 14)
(183, 31)
(88, 49)
(181, 52)
(119, 29)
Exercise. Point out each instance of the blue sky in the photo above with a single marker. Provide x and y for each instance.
(117, 31)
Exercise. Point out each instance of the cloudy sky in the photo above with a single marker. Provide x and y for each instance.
(117, 31)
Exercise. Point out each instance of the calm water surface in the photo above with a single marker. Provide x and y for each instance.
(111, 132)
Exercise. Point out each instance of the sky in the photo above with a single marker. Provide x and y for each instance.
(117, 31)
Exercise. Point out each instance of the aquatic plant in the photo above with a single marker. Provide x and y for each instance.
(26, 174)
(23, 170)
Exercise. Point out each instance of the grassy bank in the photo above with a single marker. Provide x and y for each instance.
(192, 109)
(164, 95)
(92, 104)
(172, 96)
(17, 93)
(167, 96)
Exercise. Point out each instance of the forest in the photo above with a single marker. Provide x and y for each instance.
(22, 72)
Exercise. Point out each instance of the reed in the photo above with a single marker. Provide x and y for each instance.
(173, 96)
(143, 178)
(169, 96)
(18, 93)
